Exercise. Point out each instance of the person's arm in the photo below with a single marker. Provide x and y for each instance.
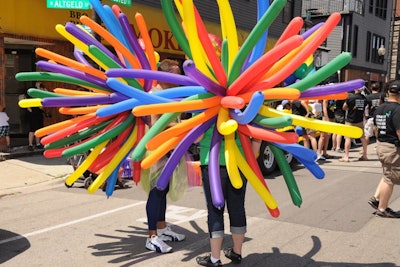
(345, 106)
(305, 106)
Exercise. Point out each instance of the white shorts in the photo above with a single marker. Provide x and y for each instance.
(369, 127)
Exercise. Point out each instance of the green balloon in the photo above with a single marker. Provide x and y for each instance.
(224, 55)
(37, 93)
(55, 77)
(255, 35)
(175, 27)
(323, 73)
(277, 122)
(287, 175)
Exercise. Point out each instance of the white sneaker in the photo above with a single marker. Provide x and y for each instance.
(167, 234)
(156, 244)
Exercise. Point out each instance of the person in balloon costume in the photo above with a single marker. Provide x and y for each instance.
(156, 206)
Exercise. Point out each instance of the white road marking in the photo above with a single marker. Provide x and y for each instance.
(51, 228)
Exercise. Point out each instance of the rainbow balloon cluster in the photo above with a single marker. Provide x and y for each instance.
(226, 87)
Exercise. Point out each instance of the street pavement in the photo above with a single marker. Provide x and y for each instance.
(333, 227)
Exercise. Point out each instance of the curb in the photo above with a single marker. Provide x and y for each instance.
(19, 152)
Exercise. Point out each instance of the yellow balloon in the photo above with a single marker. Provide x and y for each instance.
(196, 47)
(225, 125)
(119, 156)
(31, 102)
(230, 159)
(319, 125)
(228, 28)
(85, 164)
(261, 190)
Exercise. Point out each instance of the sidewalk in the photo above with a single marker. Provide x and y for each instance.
(23, 169)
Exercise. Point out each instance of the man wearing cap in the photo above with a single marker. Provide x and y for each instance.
(355, 106)
(387, 121)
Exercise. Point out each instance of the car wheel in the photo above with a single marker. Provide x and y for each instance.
(266, 159)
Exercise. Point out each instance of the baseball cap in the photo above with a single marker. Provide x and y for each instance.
(394, 87)
(284, 102)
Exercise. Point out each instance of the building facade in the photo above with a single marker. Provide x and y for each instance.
(364, 30)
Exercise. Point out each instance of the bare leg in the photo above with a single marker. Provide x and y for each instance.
(237, 243)
(347, 145)
(216, 246)
(385, 193)
(365, 146)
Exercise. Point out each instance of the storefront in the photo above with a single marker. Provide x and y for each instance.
(26, 25)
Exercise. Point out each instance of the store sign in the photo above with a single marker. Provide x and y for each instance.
(123, 2)
(69, 4)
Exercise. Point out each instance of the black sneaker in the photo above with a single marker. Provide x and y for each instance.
(30, 148)
(234, 257)
(206, 261)
(373, 202)
(387, 213)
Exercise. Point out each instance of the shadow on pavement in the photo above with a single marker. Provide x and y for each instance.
(11, 245)
(276, 258)
(129, 250)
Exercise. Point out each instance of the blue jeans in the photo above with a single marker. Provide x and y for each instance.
(234, 199)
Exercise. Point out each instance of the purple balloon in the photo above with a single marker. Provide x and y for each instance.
(132, 40)
(45, 65)
(251, 110)
(214, 174)
(195, 74)
(334, 88)
(151, 74)
(179, 151)
(89, 40)
(76, 101)
(79, 57)
(312, 30)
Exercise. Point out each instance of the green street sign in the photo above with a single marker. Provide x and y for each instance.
(123, 2)
(69, 4)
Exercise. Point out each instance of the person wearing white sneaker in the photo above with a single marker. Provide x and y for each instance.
(154, 243)
(157, 200)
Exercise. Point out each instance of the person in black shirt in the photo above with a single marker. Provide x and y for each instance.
(387, 121)
(374, 100)
(355, 105)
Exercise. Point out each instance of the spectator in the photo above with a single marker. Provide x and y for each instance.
(5, 127)
(355, 105)
(327, 115)
(387, 121)
(339, 118)
(158, 230)
(374, 100)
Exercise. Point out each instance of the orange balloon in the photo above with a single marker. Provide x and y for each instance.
(61, 125)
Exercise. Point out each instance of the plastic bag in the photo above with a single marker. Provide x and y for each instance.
(178, 182)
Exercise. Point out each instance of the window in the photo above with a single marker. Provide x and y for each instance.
(376, 42)
(368, 48)
(355, 41)
(381, 9)
(371, 6)
(288, 11)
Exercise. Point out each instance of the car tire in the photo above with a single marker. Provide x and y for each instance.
(266, 159)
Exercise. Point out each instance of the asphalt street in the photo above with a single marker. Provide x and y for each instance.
(44, 223)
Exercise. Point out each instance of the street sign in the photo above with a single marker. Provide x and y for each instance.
(69, 4)
(123, 2)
